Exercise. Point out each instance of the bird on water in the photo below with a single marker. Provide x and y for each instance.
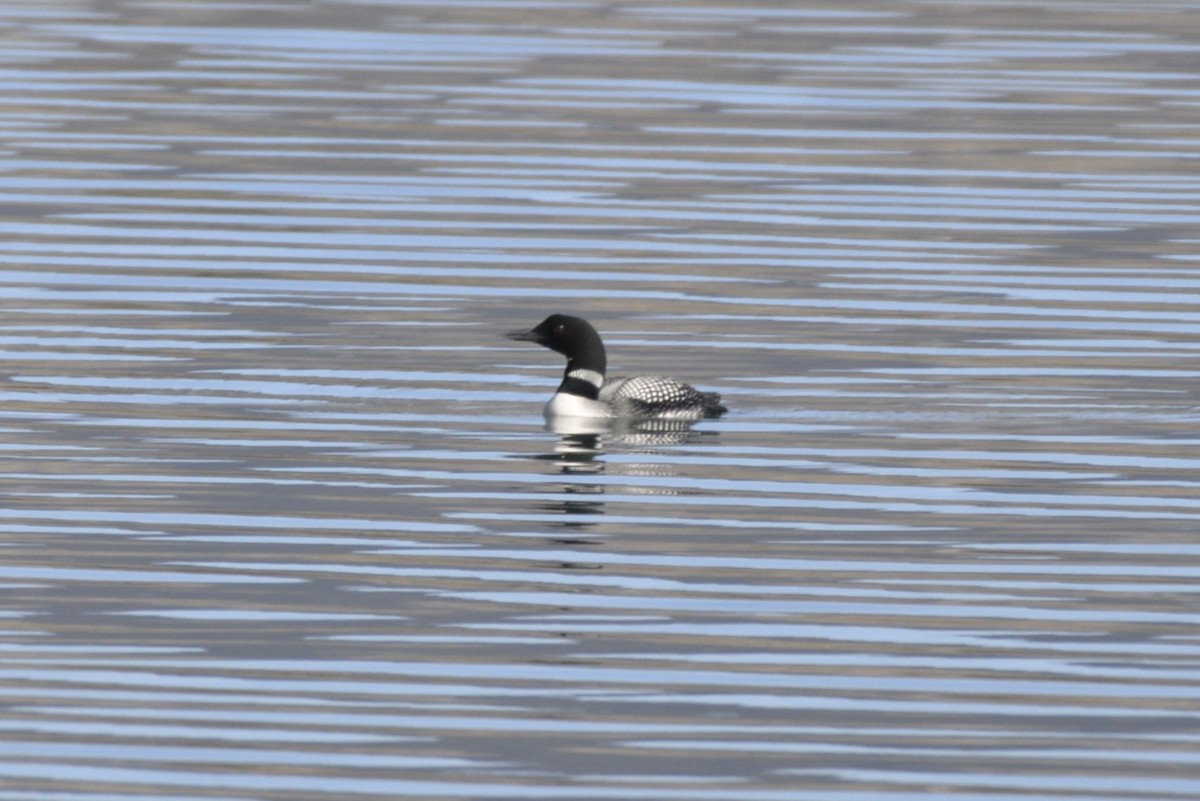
(584, 391)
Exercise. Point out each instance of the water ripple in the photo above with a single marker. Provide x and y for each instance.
(280, 514)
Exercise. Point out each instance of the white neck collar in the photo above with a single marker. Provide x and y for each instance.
(590, 376)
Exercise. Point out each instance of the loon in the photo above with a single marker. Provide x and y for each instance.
(584, 392)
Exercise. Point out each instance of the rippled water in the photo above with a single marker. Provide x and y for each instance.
(280, 515)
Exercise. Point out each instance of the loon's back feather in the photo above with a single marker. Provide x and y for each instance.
(656, 396)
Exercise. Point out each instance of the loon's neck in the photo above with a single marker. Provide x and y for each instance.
(582, 382)
(585, 369)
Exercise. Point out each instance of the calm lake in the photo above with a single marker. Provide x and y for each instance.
(279, 514)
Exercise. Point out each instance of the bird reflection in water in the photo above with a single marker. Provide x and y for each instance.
(579, 451)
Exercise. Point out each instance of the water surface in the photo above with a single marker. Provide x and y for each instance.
(280, 515)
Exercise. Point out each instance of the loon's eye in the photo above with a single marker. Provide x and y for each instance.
(558, 329)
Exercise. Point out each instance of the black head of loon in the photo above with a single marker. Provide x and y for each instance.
(573, 337)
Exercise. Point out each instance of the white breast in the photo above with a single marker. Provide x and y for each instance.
(565, 405)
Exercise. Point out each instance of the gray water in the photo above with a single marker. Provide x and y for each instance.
(281, 519)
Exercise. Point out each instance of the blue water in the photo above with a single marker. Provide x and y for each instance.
(280, 515)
